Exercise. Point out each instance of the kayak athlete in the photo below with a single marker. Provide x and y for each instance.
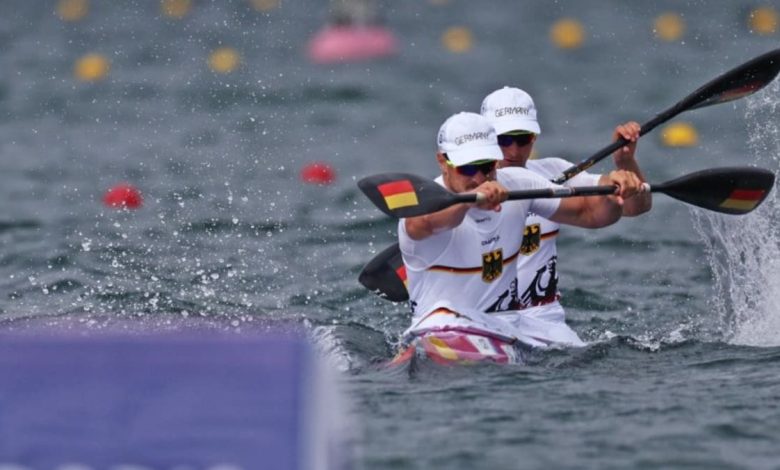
(512, 113)
(461, 261)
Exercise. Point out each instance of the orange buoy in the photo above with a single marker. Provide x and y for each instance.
(91, 67)
(72, 10)
(224, 60)
(458, 39)
(176, 9)
(567, 33)
(669, 27)
(680, 134)
(764, 21)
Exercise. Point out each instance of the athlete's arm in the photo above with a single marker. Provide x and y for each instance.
(422, 227)
(625, 159)
(599, 211)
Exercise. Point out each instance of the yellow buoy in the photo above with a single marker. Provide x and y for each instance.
(175, 8)
(763, 21)
(72, 10)
(264, 5)
(91, 67)
(457, 39)
(669, 27)
(567, 33)
(224, 60)
(680, 134)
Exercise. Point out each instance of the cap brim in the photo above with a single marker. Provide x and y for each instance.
(475, 154)
(510, 125)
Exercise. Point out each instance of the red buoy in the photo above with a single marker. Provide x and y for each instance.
(123, 196)
(318, 173)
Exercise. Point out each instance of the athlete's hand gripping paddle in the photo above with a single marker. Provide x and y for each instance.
(741, 81)
(738, 82)
(734, 190)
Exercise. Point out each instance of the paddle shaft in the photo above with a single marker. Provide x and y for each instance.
(731, 190)
(598, 156)
(735, 190)
(737, 83)
(547, 193)
(741, 81)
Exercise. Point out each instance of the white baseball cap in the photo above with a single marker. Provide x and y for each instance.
(510, 109)
(468, 137)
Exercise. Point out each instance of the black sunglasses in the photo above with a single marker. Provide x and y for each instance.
(472, 168)
(505, 140)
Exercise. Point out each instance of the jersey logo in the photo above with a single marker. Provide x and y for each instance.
(532, 238)
(508, 300)
(544, 286)
(492, 265)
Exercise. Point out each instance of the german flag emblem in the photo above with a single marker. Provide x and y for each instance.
(743, 199)
(532, 239)
(398, 194)
(492, 265)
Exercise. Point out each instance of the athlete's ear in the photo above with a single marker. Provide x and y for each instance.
(442, 162)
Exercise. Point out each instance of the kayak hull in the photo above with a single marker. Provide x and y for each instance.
(459, 346)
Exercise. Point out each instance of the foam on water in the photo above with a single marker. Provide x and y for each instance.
(744, 252)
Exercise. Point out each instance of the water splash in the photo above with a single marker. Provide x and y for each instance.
(744, 252)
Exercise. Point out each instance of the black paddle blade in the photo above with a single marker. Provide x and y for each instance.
(385, 275)
(406, 195)
(744, 80)
(731, 190)
(739, 82)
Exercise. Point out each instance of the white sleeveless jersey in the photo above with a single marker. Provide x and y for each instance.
(537, 276)
(474, 265)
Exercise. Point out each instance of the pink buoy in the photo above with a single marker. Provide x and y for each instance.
(335, 43)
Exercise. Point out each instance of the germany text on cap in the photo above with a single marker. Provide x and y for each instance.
(510, 109)
(468, 137)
